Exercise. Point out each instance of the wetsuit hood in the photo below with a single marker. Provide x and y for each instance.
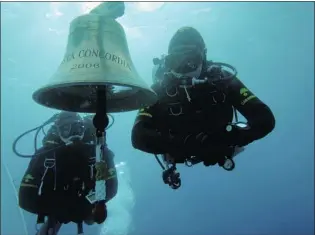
(186, 52)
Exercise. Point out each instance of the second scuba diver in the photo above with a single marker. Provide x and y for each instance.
(61, 176)
(192, 121)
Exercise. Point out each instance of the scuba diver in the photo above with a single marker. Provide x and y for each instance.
(193, 120)
(60, 179)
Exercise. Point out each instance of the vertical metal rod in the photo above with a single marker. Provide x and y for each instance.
(100, 122)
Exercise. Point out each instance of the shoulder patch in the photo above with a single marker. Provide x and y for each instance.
(144, 112)
(246, 95)
(244, 91)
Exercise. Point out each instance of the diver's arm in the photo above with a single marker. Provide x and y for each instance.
(260, 118)
(145, 135)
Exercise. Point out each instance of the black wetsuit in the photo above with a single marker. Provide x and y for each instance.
(163, 127)
(66, 183)
(52, 139)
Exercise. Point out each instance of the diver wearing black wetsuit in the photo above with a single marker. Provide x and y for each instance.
(192, 121)
(61, 175)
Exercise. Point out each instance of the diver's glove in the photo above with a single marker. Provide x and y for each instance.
(198, 144)
(231, 135)
(201, 145)
(236, 135)
(221, 140)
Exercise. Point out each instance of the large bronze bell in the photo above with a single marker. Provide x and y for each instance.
(97, 56)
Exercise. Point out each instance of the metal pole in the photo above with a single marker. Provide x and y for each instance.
(100, 122)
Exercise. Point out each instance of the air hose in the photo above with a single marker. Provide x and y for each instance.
(220, 64)
(41, 128)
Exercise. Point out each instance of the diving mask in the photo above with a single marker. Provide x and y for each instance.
(71, 131)
(186, 60)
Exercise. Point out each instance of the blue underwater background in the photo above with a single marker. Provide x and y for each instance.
(271, 190)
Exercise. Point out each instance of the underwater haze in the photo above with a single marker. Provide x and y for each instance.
(271, 190)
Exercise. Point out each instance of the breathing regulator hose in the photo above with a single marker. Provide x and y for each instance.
(220, 64)
(41, 128)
